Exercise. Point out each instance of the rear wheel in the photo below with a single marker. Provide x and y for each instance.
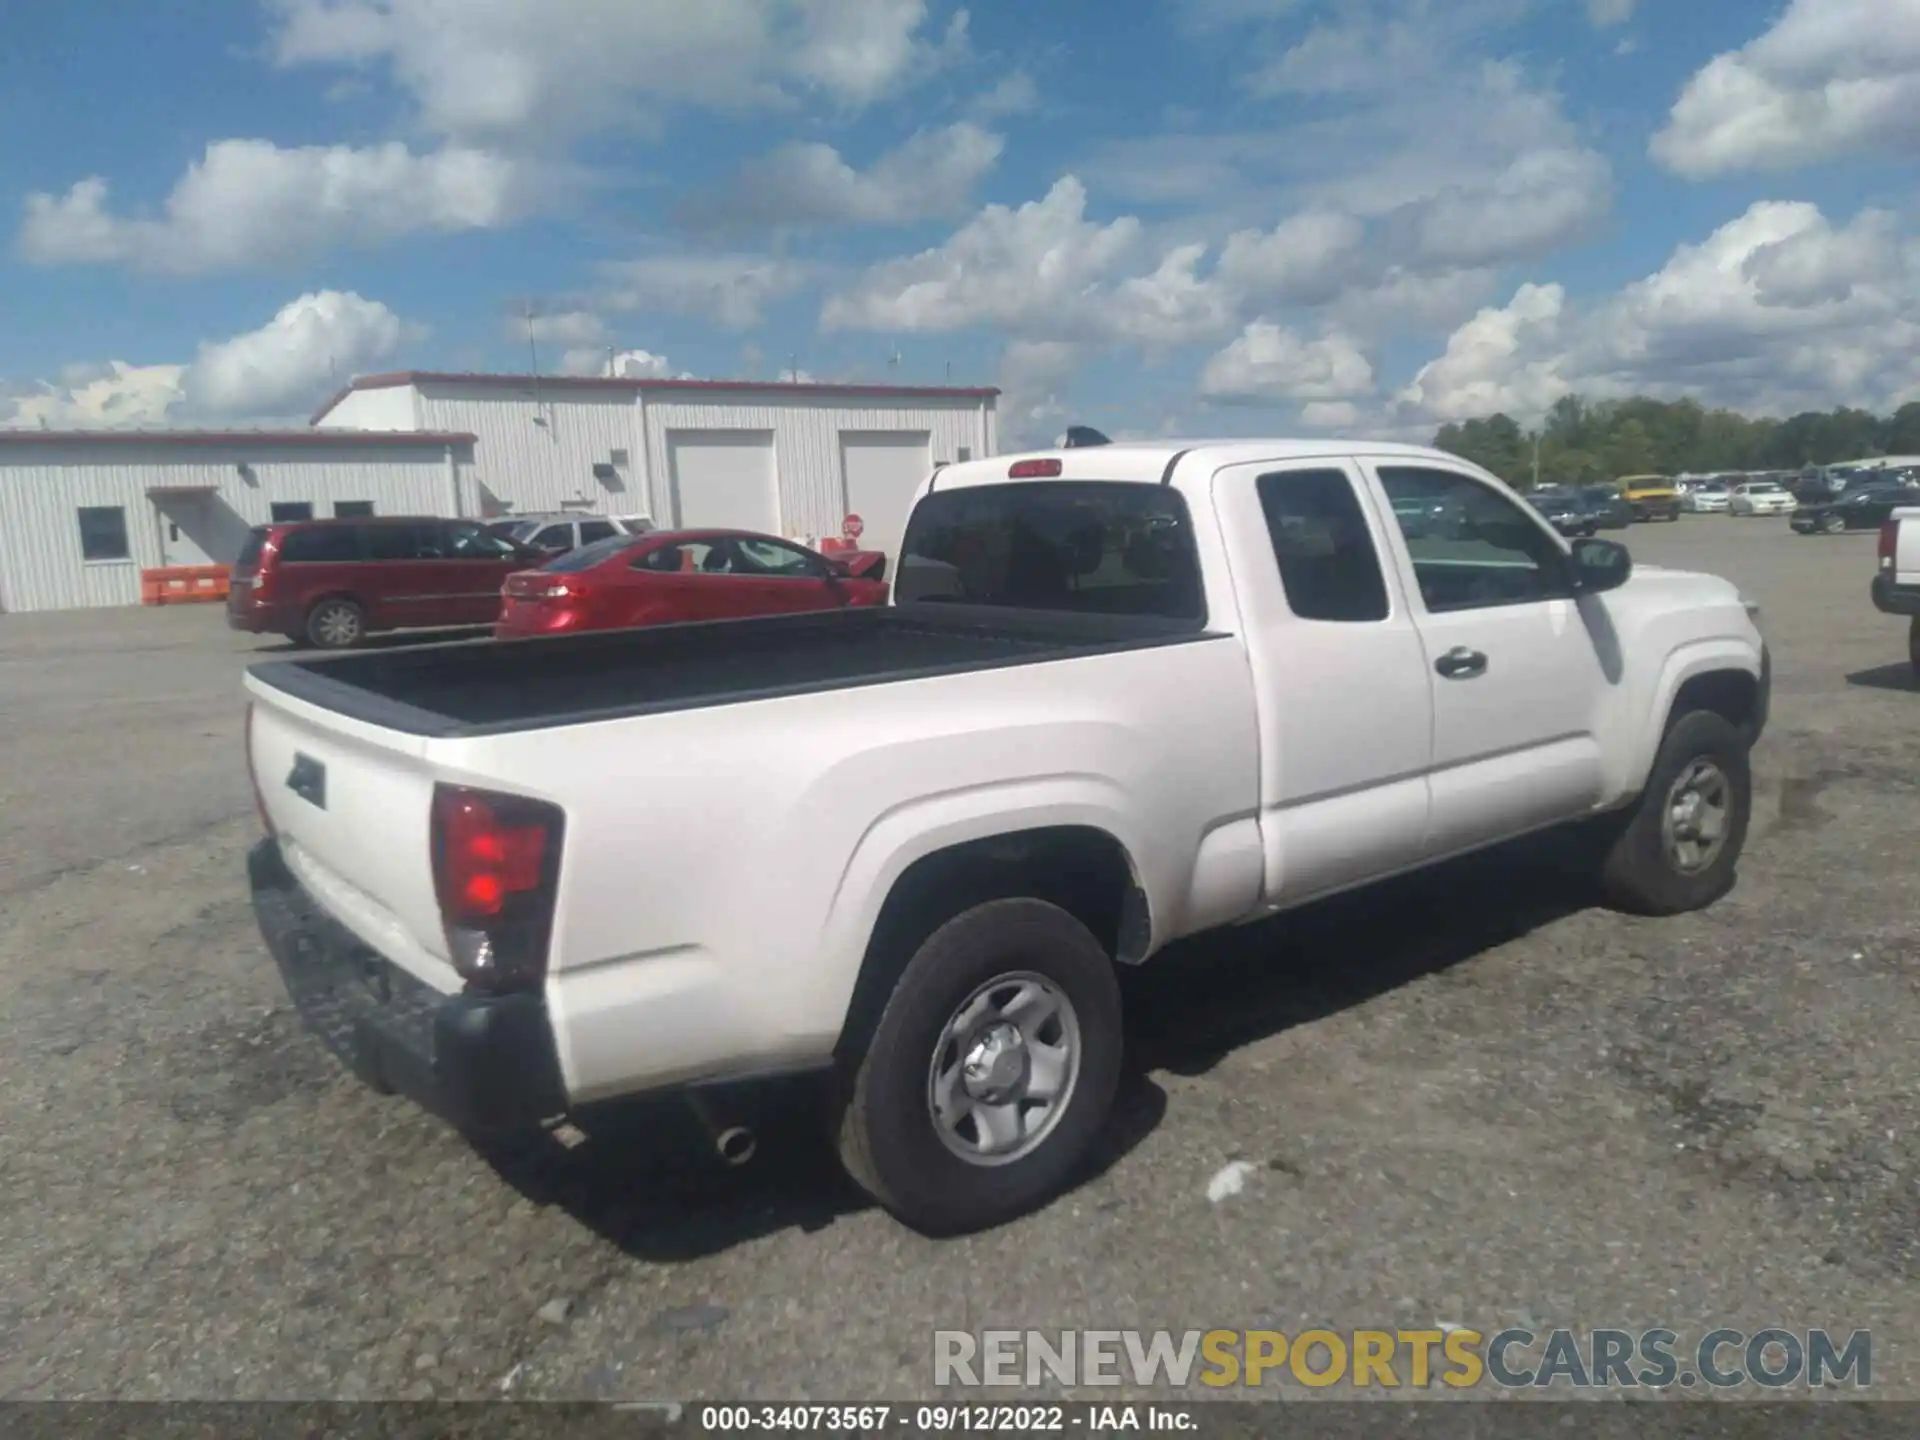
(1677, 848)
(991, 1073)
(1832, 524)
(336, 625)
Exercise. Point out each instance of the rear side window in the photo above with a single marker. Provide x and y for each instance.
(1091, 547)
(396, 542)
(588, 556)
(555, 536)
(592, 530)
(1328, 565)
(329, 543)
(249, 560)
(688, 557)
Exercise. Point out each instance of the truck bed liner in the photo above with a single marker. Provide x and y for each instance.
(479, 687)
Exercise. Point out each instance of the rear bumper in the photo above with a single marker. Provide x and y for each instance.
(484, 1064)
(1655, 509)
(1763, 695)
(1892, 599)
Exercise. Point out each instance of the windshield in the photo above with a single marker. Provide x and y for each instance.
(588, 556)
(1762, 487)
(1092, 547)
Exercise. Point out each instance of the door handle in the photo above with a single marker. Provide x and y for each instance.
(1460, 663)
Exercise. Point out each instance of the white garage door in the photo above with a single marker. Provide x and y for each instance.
(882, 469)
(724, 479)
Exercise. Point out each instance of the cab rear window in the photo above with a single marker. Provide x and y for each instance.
(1086, 546)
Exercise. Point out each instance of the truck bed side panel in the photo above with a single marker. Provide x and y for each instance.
(724, 868)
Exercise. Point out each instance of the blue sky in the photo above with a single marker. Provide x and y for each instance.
(1220, 216)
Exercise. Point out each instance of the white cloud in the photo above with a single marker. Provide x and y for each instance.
(931, 175)
(248, 203)
(731, 289)
(1014, 94)
(517, 70)
(1504, 359)
(629, 364)
(275, 373)
(1270, 363)
(1778, 310)
(1035, 269)
(1605, 14)
(567, 327)
(115, 395)
(1830, 78)
(1330, 415)
(1306, 259)
(314, 342)
(1033, 373)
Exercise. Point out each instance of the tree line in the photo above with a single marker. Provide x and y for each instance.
(1585, 442)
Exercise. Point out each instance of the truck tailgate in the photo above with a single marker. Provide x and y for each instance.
(351, 804)
(1906, 555)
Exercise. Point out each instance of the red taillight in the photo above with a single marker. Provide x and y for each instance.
(253, 779)
(1889, 543)
(1033, 469)
(495, 864)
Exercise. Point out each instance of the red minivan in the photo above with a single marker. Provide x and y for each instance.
(331, 583)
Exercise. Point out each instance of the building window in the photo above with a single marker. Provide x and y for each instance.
(352, 509)
(103, 533)
(286, 511)
(965, 452)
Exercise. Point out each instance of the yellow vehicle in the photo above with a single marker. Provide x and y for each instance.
(1651, 497)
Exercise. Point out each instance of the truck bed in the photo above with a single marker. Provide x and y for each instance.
(482, 687)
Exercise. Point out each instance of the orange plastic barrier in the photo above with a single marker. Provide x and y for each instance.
(184, 584)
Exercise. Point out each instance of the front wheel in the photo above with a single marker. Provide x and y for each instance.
(1831, 524)
(336, 625)
(992, 1071)
(1678, 846)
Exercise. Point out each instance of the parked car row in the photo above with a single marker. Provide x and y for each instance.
(331, 583)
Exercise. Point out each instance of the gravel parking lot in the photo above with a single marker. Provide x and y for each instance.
(1471, 1100)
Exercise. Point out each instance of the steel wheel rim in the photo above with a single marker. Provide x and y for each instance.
(1696, 817)
(337, 625)
(1004, 1069)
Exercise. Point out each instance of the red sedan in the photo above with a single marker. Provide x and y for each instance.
(670, 576)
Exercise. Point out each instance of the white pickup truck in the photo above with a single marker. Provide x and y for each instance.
(1896, 582)
(1123, 694)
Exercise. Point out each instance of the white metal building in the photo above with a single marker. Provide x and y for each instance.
(82, 513)
(790, 459)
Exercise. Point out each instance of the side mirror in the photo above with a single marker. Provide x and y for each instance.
(1600, 565)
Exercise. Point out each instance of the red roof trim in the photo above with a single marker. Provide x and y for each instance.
(303, 439)
(394, 379)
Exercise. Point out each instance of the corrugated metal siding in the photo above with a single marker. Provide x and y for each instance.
(391, 408)
(535, 453)
(806, 446)
(41, 489)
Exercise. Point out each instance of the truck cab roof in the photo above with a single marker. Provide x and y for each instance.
(1151, 462)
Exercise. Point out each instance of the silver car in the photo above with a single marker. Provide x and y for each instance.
(556, 534)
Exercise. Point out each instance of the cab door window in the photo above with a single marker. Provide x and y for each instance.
(1471, 546)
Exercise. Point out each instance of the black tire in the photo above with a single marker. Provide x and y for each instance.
(336, 624)
(1913, 645)
(886, 1132)
(1832, 524)
(1639, 874)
